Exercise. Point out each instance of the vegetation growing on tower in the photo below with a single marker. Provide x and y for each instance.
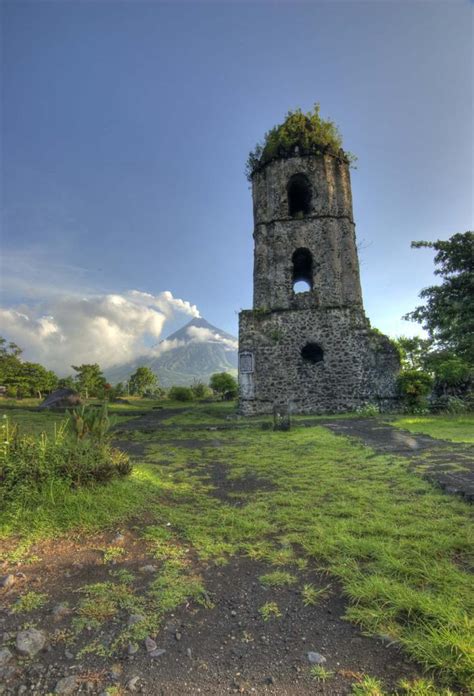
(307, 131)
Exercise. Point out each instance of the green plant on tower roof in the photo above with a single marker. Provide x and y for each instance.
(309, 132)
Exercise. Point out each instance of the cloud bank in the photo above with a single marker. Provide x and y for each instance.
(200, 334)
(107, 329)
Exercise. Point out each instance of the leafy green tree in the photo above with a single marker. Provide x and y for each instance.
(448, 312)
(9, 349)
(224, 384)
(89, 379)
(23, 378)
(67, 383)
(413, 351)
(37, 379)
(10, 365)
(143, 380)
(117, 391)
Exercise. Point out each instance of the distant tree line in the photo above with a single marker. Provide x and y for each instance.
(23, 379)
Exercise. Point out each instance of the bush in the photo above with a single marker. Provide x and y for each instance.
(200, 390)
(181, 394)
(453, 375)
(453, 405)
(414, 387)
(369, 411)
(309, 132)
(77, 453)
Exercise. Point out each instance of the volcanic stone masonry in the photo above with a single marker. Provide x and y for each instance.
(311, 351)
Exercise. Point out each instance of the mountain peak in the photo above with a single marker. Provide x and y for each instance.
(182, 334)
(193, 353)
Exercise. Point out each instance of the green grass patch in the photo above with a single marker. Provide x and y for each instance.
(277, 578)
(103, 601)
(29, 602)
(400, 549)
(320, 673)
(270, 610)
(59, 509)
(368, 686)
(313, 595)
(458, 428)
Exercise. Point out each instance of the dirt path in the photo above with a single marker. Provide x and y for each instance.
(448, 464)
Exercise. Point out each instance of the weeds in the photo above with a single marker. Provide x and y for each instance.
(29, 602)
(270, 610)
(320, 673)
(112, 553)
(30, 463)
(102, 602)
(278, 578)
(368, 686)
(422, 687)
(311, 595)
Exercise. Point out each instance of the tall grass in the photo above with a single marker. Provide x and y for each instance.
(77, 453)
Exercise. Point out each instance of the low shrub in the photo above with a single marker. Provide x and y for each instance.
(414, 387)
(200, 390)
(369, 410)
(453, 405)
(181, 394)
(72, 454)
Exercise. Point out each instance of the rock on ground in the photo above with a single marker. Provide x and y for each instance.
(30, 642)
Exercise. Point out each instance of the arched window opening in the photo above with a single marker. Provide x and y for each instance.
(299, 196)
(302, 270)
(312, 352)
(301, 286)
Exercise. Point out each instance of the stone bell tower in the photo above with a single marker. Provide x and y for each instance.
(307, 342)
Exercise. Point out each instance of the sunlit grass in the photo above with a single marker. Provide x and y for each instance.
(458, 428)
(29, 602)
(400, 549)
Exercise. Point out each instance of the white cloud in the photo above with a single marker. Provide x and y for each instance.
(166, 345)
(200, 334)
(107, 329)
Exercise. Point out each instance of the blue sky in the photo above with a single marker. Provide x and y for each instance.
(126, 126)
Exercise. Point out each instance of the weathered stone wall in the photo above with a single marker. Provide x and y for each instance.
(315, 350)
(327, 230)
(358, 366)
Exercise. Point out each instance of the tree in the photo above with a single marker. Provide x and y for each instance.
(143, 380)
(23, 378)
(10, 365)
(413, 351)
(448, 314)
(224, 384)
(89, 379)
(37, 379)
(66, 383)
(117, 391)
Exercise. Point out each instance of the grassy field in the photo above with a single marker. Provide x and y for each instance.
(400, 549)
(455, 428)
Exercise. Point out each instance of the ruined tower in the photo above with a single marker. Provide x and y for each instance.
(307, 342)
